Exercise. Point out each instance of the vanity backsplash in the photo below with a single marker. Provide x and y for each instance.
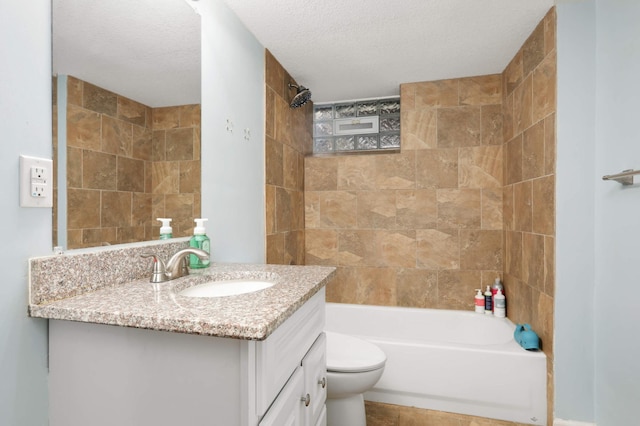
(71, 274)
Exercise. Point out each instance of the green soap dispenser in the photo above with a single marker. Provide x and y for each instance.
(201, 241)
(165, 230)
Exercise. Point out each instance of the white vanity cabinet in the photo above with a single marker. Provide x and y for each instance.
(111, 375)
(302, 401)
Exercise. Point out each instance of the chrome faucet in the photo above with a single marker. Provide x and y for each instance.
(176, 267)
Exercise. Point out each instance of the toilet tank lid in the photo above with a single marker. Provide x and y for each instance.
(350, 354)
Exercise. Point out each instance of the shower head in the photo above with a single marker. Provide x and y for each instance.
(303, 95)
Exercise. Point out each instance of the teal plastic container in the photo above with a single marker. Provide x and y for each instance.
(200, 241)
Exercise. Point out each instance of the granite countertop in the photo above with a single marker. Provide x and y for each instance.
(141, 304)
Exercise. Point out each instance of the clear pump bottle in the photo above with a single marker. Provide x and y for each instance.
(201, 241)
(166, 231)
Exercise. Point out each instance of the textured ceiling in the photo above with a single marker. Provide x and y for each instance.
(357, 49)
(147, 50)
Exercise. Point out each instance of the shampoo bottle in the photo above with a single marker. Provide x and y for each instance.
(479, 301)
(488, 301)
(500, 306)
(165, 230)
(201, 241)
(497, 285)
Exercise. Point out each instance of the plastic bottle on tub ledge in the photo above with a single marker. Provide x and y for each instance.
(479, 300)
(497, 285)
(488, 301)
(500, 305)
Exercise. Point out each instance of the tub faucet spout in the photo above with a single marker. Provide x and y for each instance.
(176, 267)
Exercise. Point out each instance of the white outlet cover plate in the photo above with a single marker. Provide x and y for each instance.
(36, 182)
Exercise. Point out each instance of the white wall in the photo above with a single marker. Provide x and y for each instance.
(617, 306)
(575, 217)
(598, 222)
(232, 168)
(25, 128)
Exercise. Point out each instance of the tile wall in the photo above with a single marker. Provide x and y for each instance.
(288, 140)
(469, 198)
(529, 100)
(422, 228)
(127, 164)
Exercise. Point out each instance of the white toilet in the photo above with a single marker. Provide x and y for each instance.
(353, 367)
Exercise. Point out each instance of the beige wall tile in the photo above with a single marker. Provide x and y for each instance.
(417, 288)
(513, 160)
(115, 209)
(74, 91)
(437, 168)
(459, 208)
(513, 254)
(458, 127)
(275, 249)
(544, 87)
(533, 49)
(523, 106)
(533, 151)
(179, 144)
(165, 118)
(142, 145)
(491, 119)
(480, 250)
(99, 100)
(376, 209)
(290, 167)
(131, 111)
(522, 210)
(338, 209)
(416, 209)
(274, 162)
(274, 74)
(437, 249)
(74, 168)
(549, 266)
(117, 136)
(456, 288)
(492, 218)
(83, 128)
(397, 248)
(543, 205)
(98, 170)
(166, 177)
(508, 118)
(550, 144)
(419, 130)
(359, 248)
(480, 167)
(481, 90)
(356, 172)
(83, 209)
(321, 246)
(513, 74)
(284, 215)
(130, 175)
(190, 115)
(321, 174)
(158, 145)
(442, 93)
(395, 171)
(533, 260)
(508, 208)
(190, 177)
(141, 205)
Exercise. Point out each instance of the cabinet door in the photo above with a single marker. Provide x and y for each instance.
(314, 365)
(286, 410)
(322, 420)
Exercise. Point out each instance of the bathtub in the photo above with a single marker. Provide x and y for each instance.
(454, 361)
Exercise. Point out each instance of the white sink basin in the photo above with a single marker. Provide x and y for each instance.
(225, 288)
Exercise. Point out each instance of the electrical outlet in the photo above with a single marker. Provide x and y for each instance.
(36, 189)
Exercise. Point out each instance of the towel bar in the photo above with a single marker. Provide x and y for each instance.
(625, 177)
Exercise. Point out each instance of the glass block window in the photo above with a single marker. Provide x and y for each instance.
(358, 126)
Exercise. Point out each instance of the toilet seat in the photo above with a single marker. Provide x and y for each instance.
(349, 354)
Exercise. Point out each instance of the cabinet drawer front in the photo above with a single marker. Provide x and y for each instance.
(287, 408)
(279, 355)
(314, 365)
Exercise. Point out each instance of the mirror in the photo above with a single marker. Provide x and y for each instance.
(126, 119)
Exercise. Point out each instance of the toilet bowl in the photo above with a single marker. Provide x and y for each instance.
(353, 367)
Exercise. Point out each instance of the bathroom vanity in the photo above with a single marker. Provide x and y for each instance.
(137, 353)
